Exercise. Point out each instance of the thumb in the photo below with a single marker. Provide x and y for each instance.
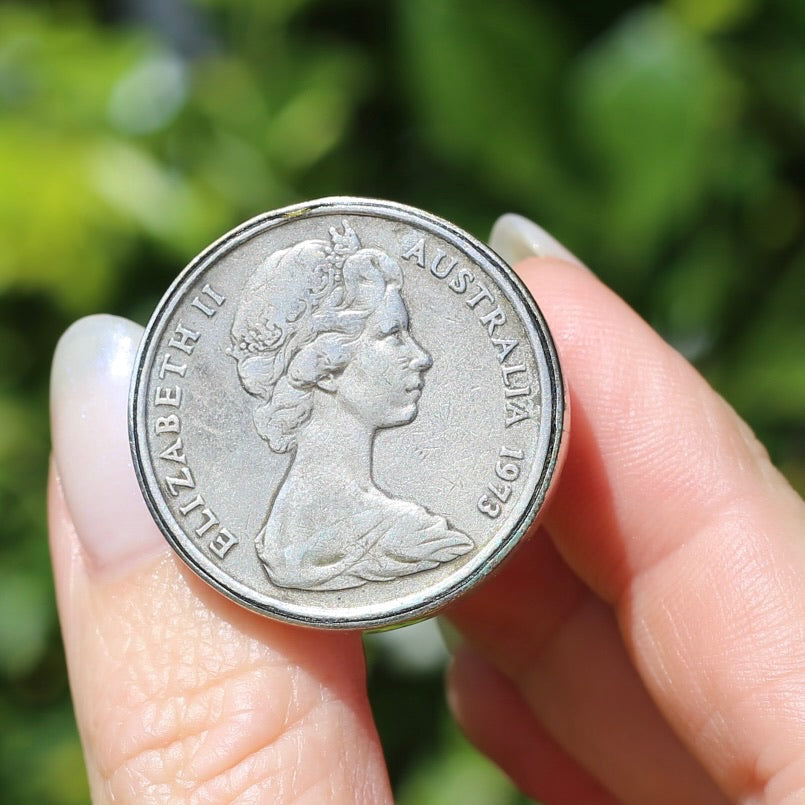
(181, 695)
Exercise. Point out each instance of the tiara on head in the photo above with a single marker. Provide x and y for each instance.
(343, 245)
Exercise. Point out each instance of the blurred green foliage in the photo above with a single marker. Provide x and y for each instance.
(664, 143)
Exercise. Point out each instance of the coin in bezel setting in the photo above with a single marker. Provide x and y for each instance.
(345, 413)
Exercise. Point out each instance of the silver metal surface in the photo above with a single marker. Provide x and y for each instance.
(345, 413)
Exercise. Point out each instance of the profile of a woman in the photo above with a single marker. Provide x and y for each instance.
(321, 338)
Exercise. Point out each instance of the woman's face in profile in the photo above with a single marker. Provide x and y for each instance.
(382, 383)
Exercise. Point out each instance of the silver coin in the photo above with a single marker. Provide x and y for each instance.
(346, 413)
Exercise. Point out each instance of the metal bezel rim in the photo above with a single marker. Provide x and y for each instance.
(334, 205)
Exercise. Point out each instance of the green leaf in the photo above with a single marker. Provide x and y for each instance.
(654, 109)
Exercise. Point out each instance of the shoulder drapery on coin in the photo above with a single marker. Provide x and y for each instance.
(345, 413)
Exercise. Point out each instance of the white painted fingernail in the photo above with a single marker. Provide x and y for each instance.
(514, 238)
(89, 387)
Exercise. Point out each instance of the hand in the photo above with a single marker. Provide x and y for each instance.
(645, 645)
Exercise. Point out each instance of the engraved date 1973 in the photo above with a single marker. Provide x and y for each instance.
(507, 471)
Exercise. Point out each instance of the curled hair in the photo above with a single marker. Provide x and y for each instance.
(299, 320)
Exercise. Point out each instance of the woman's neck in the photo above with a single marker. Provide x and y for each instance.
(334, 447)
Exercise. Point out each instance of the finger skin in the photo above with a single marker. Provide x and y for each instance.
(558, 644)
(671, 513)
(491, 711)
(180, 695)
(689, 532)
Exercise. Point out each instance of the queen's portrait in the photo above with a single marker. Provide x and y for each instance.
(322, 342)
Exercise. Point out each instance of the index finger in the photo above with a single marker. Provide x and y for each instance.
(669, 509)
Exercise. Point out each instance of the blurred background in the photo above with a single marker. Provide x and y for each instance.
(664, 143)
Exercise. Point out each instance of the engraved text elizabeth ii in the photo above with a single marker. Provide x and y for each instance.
(322, 340)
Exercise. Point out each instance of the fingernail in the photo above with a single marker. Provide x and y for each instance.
(514, 238)
(451, 637)
(89, 387)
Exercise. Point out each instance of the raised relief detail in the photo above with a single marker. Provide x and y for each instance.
(322, 340)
